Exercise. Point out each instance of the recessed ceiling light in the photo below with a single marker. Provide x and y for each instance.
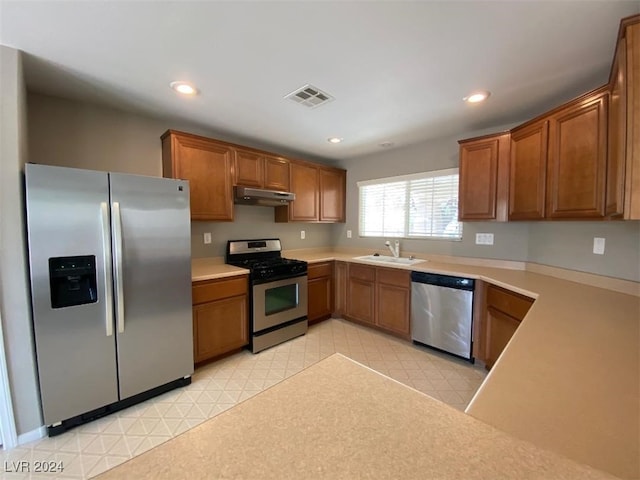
(184, 88)
(334, 140)
(476, 97)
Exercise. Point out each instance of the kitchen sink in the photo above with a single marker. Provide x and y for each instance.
(390, 259)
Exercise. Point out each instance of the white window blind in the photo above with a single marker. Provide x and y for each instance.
(423, 205)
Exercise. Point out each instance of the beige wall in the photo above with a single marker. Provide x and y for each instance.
(14, 277)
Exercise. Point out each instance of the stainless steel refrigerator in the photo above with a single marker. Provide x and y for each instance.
(110, 261)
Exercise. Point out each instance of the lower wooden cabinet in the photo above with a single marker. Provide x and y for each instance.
(504, 312)
(379, 297)
(320, 291)
(220, 321)
(340, 288)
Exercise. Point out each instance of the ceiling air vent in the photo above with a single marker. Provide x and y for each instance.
(309, 96)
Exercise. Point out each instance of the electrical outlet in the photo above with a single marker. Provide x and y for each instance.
(598, 245)
(484, 238)
(303, 235)
(207, 238)
(348, 233)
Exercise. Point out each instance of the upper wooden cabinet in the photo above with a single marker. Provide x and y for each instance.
(623, 167)
(332, 194)
(276, 173)
(320, 194)
(255, 169)
(578, 158)
(206, 164)
(527, 171)
(484, 178)
(578, 161)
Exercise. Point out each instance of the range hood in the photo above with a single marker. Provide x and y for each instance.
(259, 196)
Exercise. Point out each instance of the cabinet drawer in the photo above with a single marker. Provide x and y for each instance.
(512, 304)
(318, 270)
(211, 290)
(395, 277)
(362, 272)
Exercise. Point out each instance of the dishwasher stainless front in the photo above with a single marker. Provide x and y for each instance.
(442, 312)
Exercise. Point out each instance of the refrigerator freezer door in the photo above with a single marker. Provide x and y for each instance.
(152, 258)
(72, 309)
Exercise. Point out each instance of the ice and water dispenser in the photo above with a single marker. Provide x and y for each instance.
(72, 280)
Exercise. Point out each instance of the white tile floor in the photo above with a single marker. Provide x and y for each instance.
(95, 447)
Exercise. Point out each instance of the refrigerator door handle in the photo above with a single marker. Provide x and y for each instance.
(117, 241)
(108, 279)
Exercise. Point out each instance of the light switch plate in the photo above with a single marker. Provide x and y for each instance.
(303, 234)
(484, 238)
(207, 238)
(598, 245)
(348, 233)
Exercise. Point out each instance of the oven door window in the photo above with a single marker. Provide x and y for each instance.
(280, 299)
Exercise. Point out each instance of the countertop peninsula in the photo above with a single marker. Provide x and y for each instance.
(569, 380)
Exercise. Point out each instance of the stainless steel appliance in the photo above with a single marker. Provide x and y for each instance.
(110, 260)
(279, 291)
(442, 312)
(260, 196)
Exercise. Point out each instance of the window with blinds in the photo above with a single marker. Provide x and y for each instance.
(422, 205)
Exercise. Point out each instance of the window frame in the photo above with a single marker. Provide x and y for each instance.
(408, 178)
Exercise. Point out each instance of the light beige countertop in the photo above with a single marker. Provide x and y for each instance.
(212, 268)
(569, 380)
(338, 419)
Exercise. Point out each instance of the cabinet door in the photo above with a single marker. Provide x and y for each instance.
(617, 135)
(332, 195)
(527, 171)
(632, 101)
(484, 180)
(361, 293)
(320, 294)
(304, 183)
(578, 159)
(219, 327)
(500, 327)
(276, 174)
(249, 169)
(392, 308)
(207, 166)
(340, 292)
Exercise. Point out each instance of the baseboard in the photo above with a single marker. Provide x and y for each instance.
(32, 436)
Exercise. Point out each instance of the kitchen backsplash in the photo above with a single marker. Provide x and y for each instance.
(255, 222)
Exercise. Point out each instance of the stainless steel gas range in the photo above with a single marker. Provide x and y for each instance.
(278, 309)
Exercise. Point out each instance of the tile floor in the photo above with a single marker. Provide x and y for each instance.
(95, 447)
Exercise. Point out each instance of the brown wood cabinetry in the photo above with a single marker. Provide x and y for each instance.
(527, 171)
(320, 194)
(361, 291)
(393, 300)
(332, 188)
(220, 323)
(623, 166)
(206, 164)
(578, 158)
(484, 178)
(255, 169)
(380, 297)
(341, 272)
(504, 312)
(320, 291)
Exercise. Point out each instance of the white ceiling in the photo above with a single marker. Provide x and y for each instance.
(397, 69)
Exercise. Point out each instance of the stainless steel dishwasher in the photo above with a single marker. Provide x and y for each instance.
(442, 312)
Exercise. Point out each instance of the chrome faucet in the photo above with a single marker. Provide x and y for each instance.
(395, 251)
